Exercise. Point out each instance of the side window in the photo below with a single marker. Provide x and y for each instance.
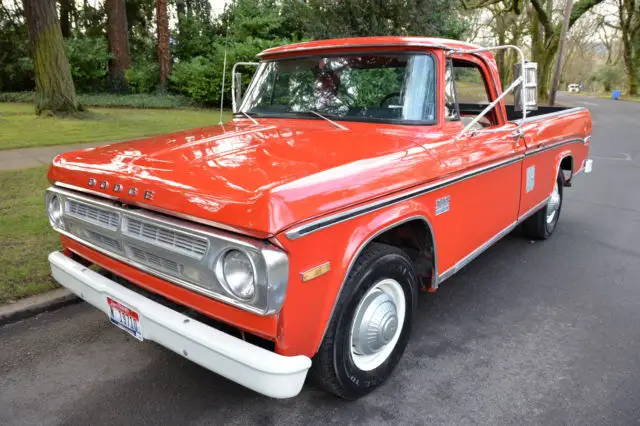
(450, 98)
(470, 84)
(471, 92)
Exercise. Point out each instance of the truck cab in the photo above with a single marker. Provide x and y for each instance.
(294, 240)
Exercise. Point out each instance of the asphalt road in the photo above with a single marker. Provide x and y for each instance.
(529, 333)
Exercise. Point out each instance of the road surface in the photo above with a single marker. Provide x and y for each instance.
(528, 333)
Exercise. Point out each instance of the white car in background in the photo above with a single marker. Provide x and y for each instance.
(574, 88)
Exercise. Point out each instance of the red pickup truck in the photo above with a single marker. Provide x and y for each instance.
(295, 238)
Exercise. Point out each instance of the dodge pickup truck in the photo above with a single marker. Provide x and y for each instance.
(294, 239)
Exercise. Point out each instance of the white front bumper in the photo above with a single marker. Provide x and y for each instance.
(263, 371)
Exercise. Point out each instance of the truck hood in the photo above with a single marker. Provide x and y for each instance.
(253, 179)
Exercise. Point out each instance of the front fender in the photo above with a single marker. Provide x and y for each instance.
(309, 305)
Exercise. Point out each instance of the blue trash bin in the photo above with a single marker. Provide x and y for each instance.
(615, 95)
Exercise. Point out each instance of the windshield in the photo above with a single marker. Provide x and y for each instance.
(380, 87)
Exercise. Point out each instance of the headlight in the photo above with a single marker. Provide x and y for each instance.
(238, 274)
(54, 210)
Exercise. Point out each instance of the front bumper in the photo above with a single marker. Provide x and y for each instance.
(263, 371)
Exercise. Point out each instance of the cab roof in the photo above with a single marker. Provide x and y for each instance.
(366, 42)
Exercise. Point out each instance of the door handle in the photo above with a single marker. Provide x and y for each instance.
(517, 134)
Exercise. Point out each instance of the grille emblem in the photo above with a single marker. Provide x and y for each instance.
(92, 182)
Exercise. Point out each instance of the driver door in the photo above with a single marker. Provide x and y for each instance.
(491, 155)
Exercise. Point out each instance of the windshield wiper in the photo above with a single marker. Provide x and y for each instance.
(338, 125)
(250, 118)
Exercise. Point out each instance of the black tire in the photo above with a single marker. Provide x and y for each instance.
(333, 368)
(537, 227)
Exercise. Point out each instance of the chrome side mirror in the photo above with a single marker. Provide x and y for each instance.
(237, 90)
(527, 92)
(236, 84)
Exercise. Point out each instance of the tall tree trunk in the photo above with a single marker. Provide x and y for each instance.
(545, 60)
(500, 29)
(118, 36)
(66, 9)
(630, 65)
(164, 55)
(55, 92)
(563, 36)
(629, 16)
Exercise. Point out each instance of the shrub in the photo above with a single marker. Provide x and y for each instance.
(196, 79)
(201, 77)
(26, 97)
(610, 77)
(143, 77)
(89, 61)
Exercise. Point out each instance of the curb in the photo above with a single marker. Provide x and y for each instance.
(34, 305)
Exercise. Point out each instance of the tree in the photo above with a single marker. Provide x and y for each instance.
(67, 8)
(118, 37)
(629, 23)
(352, 18)
(55, 92)
(545, 37)
(563, 37)
(164, 55)
(544, 30)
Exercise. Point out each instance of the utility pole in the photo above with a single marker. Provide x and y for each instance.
(563, 36)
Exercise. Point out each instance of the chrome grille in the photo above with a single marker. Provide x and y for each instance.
(156, 261)
(167, 238)
(103, 240)
(93, 214)
(184, 253)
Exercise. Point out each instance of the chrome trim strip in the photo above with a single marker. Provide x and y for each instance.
(434, 281)
(532, 210)
(325, 222)
(553, 146)
(268, 52)
(548, 115)
(179, 215)
(468, 258)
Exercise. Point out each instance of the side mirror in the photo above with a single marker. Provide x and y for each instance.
(236, 84)
(237, 90)
(526, 95)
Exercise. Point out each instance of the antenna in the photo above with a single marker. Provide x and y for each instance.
(224, 70)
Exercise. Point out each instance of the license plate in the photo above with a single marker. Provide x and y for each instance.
(125, 318)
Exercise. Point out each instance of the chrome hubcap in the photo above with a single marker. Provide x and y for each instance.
(553, 205)
(377, 324)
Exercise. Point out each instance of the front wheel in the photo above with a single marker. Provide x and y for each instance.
(542, 224)
(370, 327)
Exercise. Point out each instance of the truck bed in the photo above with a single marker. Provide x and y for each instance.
(513, 115)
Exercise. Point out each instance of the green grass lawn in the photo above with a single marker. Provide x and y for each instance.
(20, 128)
(26, 238)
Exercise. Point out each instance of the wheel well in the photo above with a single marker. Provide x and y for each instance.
(416, 239)
(566, 165)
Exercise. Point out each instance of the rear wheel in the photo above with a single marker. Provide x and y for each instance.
(542, 224)
(371, 324)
